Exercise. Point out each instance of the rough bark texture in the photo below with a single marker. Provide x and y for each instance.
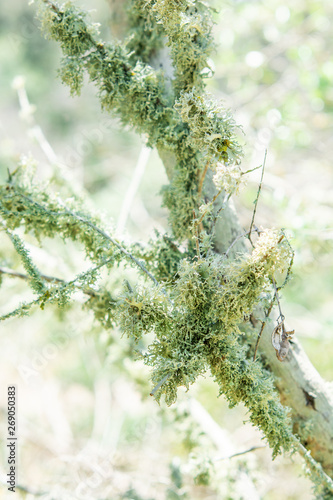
(308, 395)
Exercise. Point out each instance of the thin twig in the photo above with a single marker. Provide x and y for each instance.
(222, 207)
(52, 5)
(316, 466)
(257, 198)
(21, 310)
(37, 133)
(26, 306)
(211, 203)
(290, 263)
(276, 292)
(161, 382)
(202, 178)
(100, 231)
(262, 328)
(251, 170)
(15, 274)
(49, 279)
(281, 317)
(241, 453)
(239, 237)
(276, 296)
(114, 242)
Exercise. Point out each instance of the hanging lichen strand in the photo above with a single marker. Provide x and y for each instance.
(192, 304)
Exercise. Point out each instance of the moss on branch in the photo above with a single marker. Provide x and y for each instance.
(193, 306)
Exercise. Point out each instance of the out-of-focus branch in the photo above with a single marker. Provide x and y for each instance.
(132, 188)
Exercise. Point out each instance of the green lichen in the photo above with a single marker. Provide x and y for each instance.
(191, 302)
(145, 35)
(36, 282)
(200, 331)
(140, 95)
(188, 26)
(213, 129)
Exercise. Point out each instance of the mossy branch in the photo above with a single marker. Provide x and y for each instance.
(50, 217)
(196, 322)
(188, 26)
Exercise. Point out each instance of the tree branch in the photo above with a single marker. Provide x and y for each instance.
(300, 386)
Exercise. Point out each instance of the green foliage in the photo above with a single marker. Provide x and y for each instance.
(181, 195)
(69, 28)
(109, 66)
(43, 214)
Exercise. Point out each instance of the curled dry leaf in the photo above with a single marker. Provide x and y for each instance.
(280, 341)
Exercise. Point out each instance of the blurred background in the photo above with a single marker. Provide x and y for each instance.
(87, 426)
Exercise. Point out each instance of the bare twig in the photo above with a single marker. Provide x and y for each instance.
(161, 382)
(251, 170)
(241, 453)
(276, 292)
(49, 279)
(202, 178)
(27, 111)
(257, 198)
(240, 236)
(269, 310)
(15, 274)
